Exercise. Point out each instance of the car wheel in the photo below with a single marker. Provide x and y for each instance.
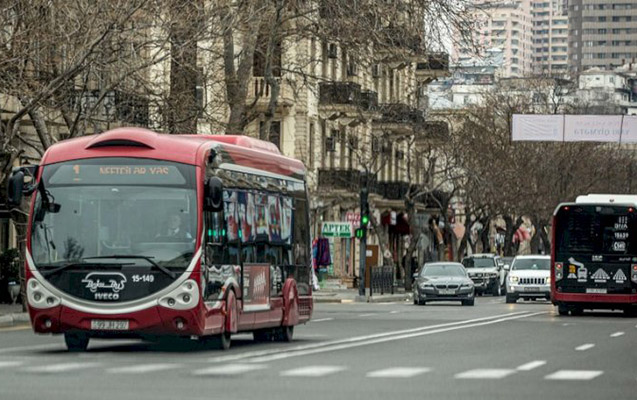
(468, 302)
(511, 299)
(503, 290)
(495, 291)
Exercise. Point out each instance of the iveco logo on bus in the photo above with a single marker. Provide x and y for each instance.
(105, 285)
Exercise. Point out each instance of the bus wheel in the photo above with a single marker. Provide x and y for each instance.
(222, 341)
(630, 312)
(76, 342)
(562, 309)
(285, 334)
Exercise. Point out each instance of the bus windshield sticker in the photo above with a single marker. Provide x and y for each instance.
(619, 276)
(600, 276)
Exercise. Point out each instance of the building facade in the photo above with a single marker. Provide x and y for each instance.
(550, 37)
(602, 33)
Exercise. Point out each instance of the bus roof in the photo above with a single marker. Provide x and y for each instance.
(607, 198)
(187, 149)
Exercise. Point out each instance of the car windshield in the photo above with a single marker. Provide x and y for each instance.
(442, 270)
(118, 210)
(531, 264)
(478, 262)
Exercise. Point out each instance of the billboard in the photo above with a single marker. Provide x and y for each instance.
(574, 128)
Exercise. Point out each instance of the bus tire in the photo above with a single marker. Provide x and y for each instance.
(285, 334)
(76, 342)
(562, 309)
(222, 341)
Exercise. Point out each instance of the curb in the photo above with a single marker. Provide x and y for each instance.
(362, 299)
(9, 320)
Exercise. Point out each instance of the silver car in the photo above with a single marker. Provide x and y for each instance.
(443, 281)
(529, 278)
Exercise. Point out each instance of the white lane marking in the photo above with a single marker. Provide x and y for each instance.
(343, 346)
(397, 372)
(573, 375)
(367, 315)
(531, 365)
(6, 364)
(228, 370)
(485, 373)
(585, 347)
(394, 312)
(258, 353)
(38, 347)
(617, 334)
(313, 371)
(65, 367)
(322, 320)
(386, 303)
(142, 368)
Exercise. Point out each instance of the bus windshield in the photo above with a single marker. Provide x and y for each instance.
(115, 210)
(596, 229)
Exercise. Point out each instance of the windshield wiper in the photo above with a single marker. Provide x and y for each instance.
(61, 268)
(133, 257)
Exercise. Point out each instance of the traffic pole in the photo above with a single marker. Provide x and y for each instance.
(363, 242)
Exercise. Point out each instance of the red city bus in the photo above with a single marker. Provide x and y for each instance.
(138, 234)
(594, 254)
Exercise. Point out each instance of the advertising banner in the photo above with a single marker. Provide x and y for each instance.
(534, 127)
(256, 283)
(574, 128)
(337, 229)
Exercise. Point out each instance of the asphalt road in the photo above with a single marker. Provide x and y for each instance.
(352, 351)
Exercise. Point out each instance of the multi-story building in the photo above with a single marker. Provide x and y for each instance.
(550, 37)
(602, 33)
(507, 25)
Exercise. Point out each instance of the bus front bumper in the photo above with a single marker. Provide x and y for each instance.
(152, 321)
(602, 299)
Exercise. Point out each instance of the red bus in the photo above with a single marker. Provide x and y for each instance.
(594, 254)
(143, 235)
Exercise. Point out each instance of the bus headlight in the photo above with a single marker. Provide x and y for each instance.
(39, 297)
(184, 297)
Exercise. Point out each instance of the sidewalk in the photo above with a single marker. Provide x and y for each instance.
(351, 296)
(11, 314)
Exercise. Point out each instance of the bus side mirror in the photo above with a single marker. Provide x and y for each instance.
(16, 187)
(213, 194)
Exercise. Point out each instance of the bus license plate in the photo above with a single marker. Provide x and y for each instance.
(109, 325)
(597, 291)
(447, 291)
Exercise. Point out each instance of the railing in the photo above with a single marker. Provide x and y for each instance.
(402, 114)
(347, 93)
(347, 179)
(434, 62)
(382, 280)
(392, 190)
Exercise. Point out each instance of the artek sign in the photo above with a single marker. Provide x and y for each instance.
(337, 229)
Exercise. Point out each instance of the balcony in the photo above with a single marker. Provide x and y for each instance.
(347, 99)
(399, 113)
(433, 65)
(392, 190)
(343, 179)
(115, 106)
(261, 92)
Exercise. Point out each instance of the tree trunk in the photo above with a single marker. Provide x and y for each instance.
(484, 234)
(511, 228)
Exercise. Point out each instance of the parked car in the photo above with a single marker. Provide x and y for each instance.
(487, 272)
(443, 281)
(529, 278)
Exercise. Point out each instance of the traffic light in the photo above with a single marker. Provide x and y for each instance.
(361, 232)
